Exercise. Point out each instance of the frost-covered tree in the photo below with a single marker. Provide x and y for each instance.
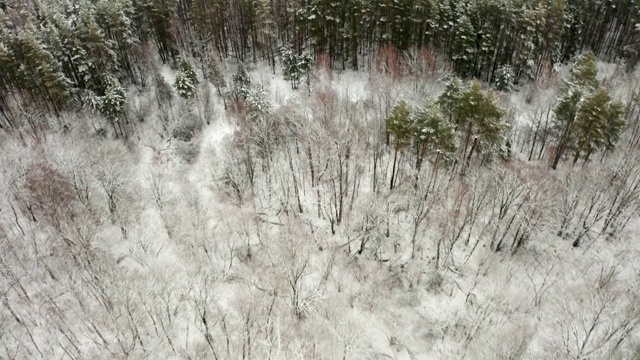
(599, 123)
(241, 83)
(463, 47)
(87, 55)
(583, 72)
(586, 118)
(115, 19)
(433, 134)
(295, 67)
(477, 115)
(450, 99)
(35, 69)
(564, 122)
(504, 78)
(258, 104)
(112, 106)
(186, 80)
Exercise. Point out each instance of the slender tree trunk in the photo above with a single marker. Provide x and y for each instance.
(375, 170)
(393, 168)
(533, 142)
(576, 156)
(295, 183)
(468, 159)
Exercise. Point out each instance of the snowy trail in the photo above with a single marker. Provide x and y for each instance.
(215, 134)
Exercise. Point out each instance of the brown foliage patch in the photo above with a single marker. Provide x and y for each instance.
(387, 61)
(322, 67)
(50, 192)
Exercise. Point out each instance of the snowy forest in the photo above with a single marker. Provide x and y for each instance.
(311, 179)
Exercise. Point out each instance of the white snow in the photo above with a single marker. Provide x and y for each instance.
(189, 260)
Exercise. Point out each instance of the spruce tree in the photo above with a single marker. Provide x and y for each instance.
(295, 67)
(450, 99)
(463, 48)
(504, 78)
(258, 104)
(241, 83)
(112, 105)
(186, 80)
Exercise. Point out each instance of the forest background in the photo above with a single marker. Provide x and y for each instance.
(235, 179)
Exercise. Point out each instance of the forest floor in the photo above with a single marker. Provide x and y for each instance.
(190, 267)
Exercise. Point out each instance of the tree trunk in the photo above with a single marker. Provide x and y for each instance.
(393, 168)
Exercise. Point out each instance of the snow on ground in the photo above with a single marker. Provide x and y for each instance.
(377, 309)
(348, 84)
(417, 324)
(275, 85)
(168, 74)
(217, 133)
(351, 85)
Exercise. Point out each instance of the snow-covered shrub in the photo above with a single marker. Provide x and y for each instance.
(139, 107)
(50, 193)
(257, 103)
(187, 128)
(190, 150)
